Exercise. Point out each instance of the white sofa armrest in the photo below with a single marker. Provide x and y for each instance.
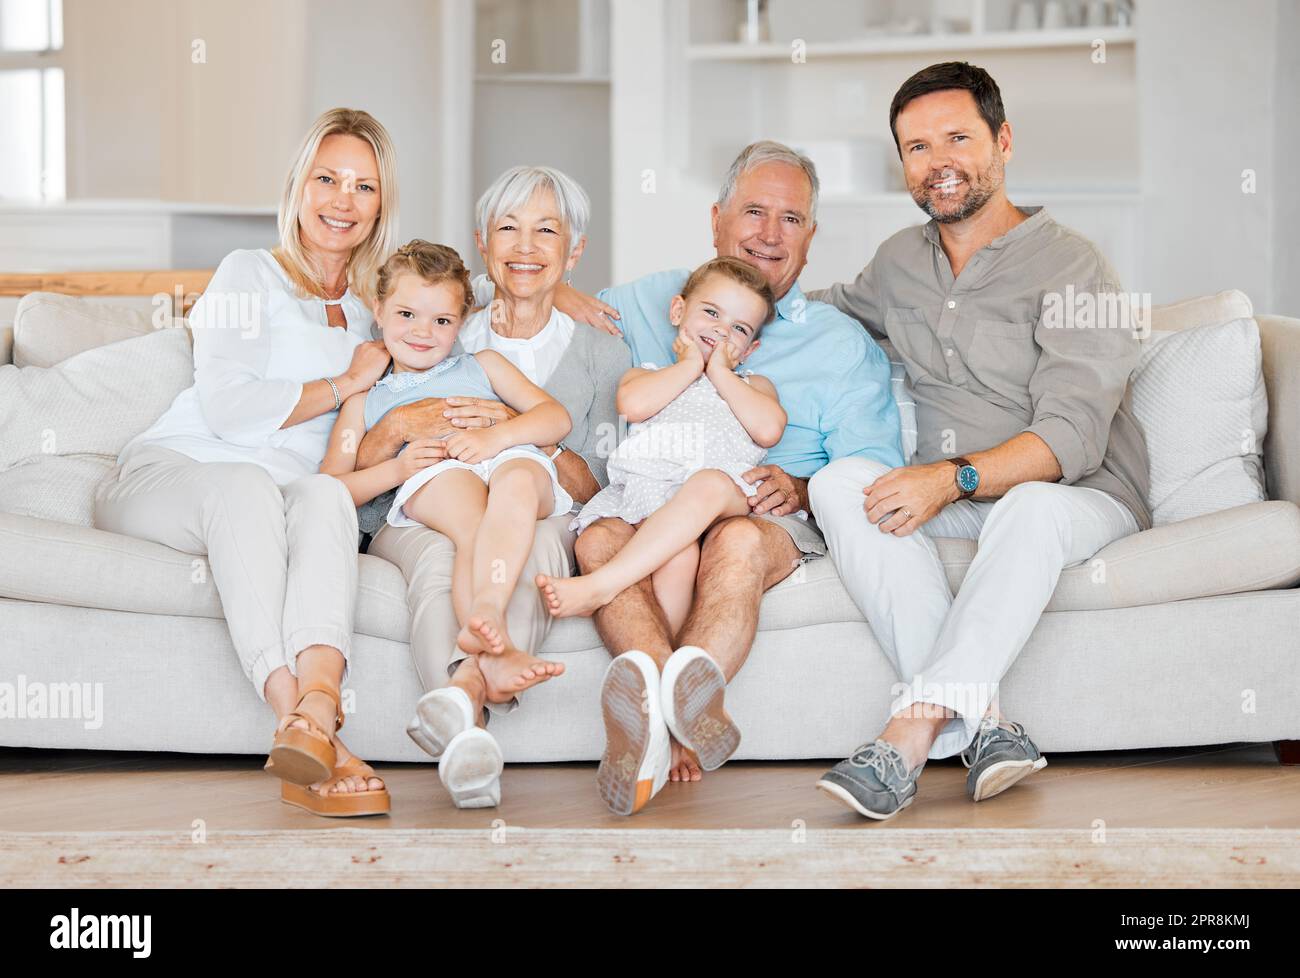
(1279, 339)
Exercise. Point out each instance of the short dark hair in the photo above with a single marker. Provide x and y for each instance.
(947, 76)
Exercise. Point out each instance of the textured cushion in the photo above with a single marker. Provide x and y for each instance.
(62, 427)
(1199, 397)
(49, 328)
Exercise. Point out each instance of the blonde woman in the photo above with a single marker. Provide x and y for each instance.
(281, 338)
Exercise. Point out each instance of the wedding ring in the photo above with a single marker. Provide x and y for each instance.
(907, 513)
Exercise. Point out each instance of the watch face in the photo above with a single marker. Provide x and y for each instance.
(968, 478)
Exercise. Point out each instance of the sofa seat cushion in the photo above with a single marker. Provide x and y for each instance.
(1255, 547)
(1247, 548)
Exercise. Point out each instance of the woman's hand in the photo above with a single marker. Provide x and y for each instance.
(475, 445)
(369, 361)
(583, 308)
(420, 454)
(688, 351)
(473, 412)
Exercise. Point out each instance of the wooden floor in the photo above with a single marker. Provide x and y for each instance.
(1235, 786)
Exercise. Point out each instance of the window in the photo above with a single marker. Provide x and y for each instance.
(31, 100)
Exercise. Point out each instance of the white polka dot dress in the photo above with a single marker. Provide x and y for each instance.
(697, 430)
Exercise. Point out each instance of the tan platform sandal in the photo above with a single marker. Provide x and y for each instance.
(340, 804)
(305, 755)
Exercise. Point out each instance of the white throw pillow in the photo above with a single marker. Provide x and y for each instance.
(1198, 394)
(49, 328)
(62, 427)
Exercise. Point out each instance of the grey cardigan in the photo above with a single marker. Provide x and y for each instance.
(585, 382)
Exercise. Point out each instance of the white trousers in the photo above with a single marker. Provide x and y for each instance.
(953, 652)
(283, 558)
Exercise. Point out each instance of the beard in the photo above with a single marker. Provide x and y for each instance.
(979, 191)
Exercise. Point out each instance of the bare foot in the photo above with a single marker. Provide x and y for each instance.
(343, 786)
(567, 597)
(685, 766)
(484, 631)
(513, 671)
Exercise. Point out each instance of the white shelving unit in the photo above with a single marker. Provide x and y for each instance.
(916, 44)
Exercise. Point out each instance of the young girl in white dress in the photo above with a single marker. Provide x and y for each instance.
(696, 427)
(484, 488)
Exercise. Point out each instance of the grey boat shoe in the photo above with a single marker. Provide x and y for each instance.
(1000, 755)
(874, 781)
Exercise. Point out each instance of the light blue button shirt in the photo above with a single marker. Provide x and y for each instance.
(831, 377)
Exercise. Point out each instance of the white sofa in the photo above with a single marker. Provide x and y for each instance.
(1193, 638)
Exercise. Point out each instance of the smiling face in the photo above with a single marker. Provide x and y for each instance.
(341, 198)
(768, 223)
(952, 162)
(419, 321)
(527, 252)
(720, 311)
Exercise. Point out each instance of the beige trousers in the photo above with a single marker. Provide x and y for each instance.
(425, 558)
(283, 558)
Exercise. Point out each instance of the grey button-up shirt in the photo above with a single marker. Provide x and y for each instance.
(1011, 345)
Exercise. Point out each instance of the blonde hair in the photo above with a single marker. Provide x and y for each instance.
(433, 263)
(364, 262)
(740, 273)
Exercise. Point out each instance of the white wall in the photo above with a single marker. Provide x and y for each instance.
(1217, 84)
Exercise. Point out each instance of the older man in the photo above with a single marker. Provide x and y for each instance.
(1024, 442)
(833, 381)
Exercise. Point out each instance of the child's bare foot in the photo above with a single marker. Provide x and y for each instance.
(685, 766)
(567, 597)
(484, 631)
(513, 671)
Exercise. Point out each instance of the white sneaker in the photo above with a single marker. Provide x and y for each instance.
(692, 692)
(440, 715)
(470, 769)
(635, 763)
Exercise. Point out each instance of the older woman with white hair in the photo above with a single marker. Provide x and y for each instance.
(531, 232)
(281, 337)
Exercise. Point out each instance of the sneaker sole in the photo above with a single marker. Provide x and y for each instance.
(438, 719)
(627, 777)
(1001, 776)
(695, 714)
(471, 768)
(841, 795)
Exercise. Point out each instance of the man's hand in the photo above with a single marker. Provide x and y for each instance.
(903, 500)
(779, 493)
(420, 454)
(474, 412)
(587, 309)
(474, 445)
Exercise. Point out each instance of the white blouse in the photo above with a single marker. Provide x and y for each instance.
(536, 357)
(256, 342)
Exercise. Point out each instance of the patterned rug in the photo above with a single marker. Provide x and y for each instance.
(520, 857)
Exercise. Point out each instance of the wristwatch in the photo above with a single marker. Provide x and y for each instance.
(967, 477)
(560, 447)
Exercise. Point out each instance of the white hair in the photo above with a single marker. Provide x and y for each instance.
(769, 151)
(516, 187)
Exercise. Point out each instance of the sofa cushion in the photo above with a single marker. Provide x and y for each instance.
(1205, 310)
(1198, 395)
(49, 328)
(1243, 549)
(62, 427)
(90, 568)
